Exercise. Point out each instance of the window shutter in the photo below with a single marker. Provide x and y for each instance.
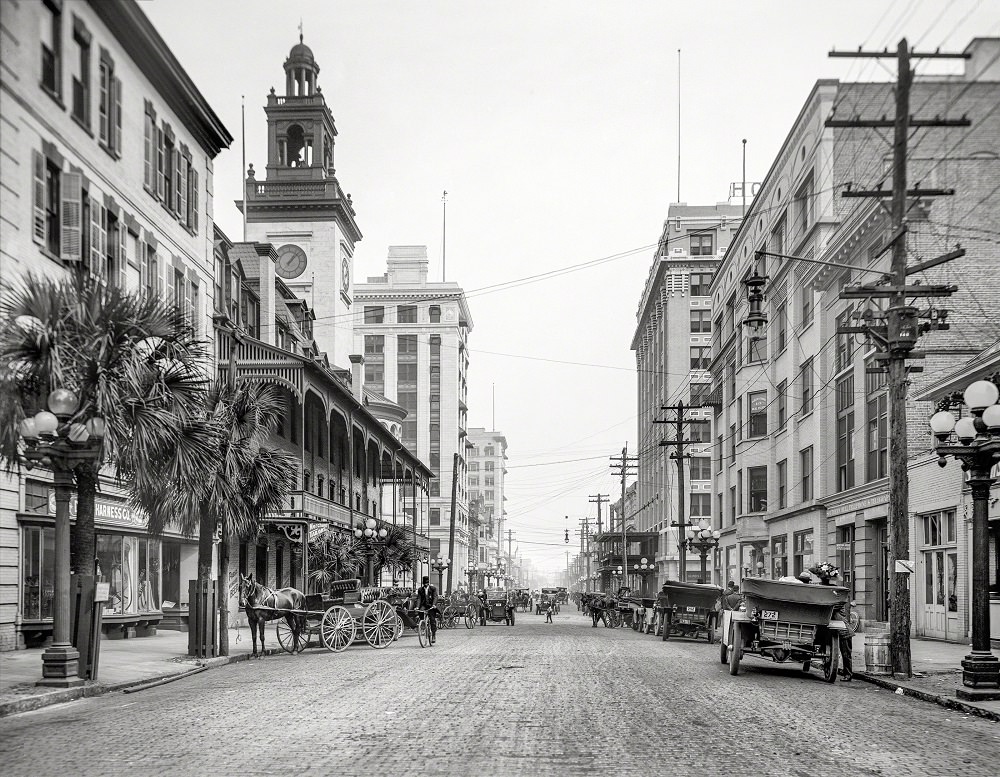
(160, 162)
(116, 130)
(122, 252)
(71, 215)
(104, 105)
(189, 298)
(157, 270)
(38, 175)
(98, 238)
(182, 178)
(150, 138)
(175, 206)
(194, 200)
(143, 266)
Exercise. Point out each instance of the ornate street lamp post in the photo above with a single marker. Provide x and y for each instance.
(439, 565)
(643, 568)
(978, 448)
(621, 576)
(52, 441)
(703, 540)
(368, 529)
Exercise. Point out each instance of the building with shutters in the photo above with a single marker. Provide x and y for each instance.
(107, 152)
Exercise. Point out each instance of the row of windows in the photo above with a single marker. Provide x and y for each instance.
(405, 314)
(169, 173)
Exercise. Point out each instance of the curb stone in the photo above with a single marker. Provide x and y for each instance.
(949, 702)
(36, 701)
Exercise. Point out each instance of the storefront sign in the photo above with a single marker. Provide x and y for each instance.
(104, 511)
(102, 592)
(904, 566)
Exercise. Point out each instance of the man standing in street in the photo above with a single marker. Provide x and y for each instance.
(548, 613)
(427, 600)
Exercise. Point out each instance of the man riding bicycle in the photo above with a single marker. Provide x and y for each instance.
(427, 600)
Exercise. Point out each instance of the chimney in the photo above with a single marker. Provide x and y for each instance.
(358, 376)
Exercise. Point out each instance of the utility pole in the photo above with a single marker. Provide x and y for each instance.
(679, 441)
(510, 537)
(898, 336)
(626, 465)
(451, 527)
(599, 499)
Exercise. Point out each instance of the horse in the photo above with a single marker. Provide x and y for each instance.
(275, 605)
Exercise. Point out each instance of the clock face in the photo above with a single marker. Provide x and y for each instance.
(346, 275)
(291, 261)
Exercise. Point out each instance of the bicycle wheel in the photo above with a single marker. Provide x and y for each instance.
(422, 633)
(470, 617)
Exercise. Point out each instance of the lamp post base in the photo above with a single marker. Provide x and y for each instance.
(981, 669)
(60, 664)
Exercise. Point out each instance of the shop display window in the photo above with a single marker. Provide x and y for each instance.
(131, 567)
(38, 572)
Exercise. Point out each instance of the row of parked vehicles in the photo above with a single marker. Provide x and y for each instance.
(784, 622)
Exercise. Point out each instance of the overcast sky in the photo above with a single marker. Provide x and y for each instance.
(553, 127)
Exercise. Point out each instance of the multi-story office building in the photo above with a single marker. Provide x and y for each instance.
(107, 149)
(801, 412)
(414, 336)
(672, 344)
(487, 474)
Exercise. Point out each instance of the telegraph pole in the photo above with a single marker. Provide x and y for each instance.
(626, 465)
(585, 542)
(679, 441)
(898, 336)
(510, 537)
(599, 499)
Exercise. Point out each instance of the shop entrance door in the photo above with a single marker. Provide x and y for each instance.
(940, 598)
(881, 572)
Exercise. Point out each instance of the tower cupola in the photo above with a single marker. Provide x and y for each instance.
(301, 71)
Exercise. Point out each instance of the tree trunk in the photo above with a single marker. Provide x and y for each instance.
(83, 548)
(206, 533)
(224, 590)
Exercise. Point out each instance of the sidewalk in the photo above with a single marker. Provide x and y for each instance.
(937, 675)
(123, 663)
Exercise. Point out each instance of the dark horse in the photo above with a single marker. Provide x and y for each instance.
(263, 604)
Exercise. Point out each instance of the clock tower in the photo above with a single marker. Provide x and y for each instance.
(300, 207)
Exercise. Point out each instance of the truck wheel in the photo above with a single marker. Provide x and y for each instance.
(830, 664)
(667, 618)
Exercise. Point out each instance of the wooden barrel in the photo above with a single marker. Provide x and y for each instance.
(878, 658)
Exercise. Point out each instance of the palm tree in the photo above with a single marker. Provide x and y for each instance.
(333, 556)
(395, 551)
(246, 480)
(132, 360)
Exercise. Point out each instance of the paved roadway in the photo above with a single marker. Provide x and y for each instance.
(534, 699)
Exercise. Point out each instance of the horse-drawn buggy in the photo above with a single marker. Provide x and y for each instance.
(690, 610)
(601, 607)
(497, 608)
(563, 595)
(460, 608)
(335, 620)
(785, 622)
(522, 599)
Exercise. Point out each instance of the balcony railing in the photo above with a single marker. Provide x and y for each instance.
(303, 504)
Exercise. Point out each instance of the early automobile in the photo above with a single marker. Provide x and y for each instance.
(549, 596)
(499, 607)
(785, 622)
(690, 610)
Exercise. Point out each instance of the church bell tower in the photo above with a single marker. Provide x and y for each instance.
(300, 207)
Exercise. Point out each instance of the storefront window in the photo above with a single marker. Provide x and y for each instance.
(38, 572)
(131, 567)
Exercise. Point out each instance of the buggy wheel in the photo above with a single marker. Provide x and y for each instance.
(831, 660)
(423, 636)
(608, 617)
(399, 628)
(288, 637)
(736, 653)
(378, 624)
(337, 629)
(667, 617)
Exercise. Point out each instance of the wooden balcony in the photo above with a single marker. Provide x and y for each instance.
(308, 506)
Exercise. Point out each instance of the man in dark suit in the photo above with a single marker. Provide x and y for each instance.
(427, 600)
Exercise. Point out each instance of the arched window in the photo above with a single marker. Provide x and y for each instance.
(319, 485)
(295, 146)
(306, 480)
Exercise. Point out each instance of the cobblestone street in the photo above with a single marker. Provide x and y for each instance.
(535, 699)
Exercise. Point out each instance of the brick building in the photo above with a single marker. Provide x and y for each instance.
(801, 451)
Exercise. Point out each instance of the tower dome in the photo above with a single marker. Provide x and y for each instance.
(301, 71)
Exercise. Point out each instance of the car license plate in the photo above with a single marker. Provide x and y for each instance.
(786, 645)
(690, 609)
(685, 620)
(769, 615)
